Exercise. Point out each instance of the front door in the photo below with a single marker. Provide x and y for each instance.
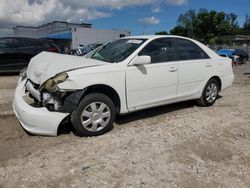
(154, 83)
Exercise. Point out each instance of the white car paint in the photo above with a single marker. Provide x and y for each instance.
(41, 69)
(149, 84)
(138, 87)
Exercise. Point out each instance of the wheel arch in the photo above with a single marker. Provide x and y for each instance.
(217, 78)
(106, 90)
(72, 99)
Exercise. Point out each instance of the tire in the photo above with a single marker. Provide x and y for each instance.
(244, 60)
(209, 94)
(94, 115)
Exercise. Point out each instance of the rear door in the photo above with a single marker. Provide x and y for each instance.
(195, 66)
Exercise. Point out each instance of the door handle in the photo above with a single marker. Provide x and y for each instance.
(208, 65)
(172, 69)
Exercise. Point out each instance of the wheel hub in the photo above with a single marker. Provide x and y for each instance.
(95, 116)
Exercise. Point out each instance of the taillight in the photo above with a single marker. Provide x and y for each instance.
(53, 50)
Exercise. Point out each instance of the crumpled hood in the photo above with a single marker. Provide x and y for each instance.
(46, 65)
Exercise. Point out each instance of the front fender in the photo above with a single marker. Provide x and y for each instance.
(80, 80)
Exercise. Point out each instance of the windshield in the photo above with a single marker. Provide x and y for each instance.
(118, 50)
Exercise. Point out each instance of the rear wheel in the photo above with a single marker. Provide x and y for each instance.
(210, 93)
(94, 115)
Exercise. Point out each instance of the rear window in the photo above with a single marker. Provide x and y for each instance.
(187, 50)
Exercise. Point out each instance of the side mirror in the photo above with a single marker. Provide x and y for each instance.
(142, 60)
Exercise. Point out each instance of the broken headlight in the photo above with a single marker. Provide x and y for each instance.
(51, 84)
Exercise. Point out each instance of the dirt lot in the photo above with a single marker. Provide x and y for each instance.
(179, 145)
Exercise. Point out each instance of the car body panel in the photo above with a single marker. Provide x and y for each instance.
(112, 75)
(150, 84)
(138, 87)
(41, 69)
(191, 80)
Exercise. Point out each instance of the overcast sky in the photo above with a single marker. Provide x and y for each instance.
(136, 15)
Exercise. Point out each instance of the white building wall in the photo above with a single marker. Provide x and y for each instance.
(46, 29)
(85, 36)
(25, 32)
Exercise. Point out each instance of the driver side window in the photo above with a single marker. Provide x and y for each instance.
(160, 50)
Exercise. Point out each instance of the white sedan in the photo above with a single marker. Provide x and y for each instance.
(122, 76)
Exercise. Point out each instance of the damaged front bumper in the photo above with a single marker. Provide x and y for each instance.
(36, 120)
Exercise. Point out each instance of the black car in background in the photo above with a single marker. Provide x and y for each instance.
(84, 50)
(15, 52)
(243, 55)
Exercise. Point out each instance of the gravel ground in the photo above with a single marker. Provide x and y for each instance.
(178, 145)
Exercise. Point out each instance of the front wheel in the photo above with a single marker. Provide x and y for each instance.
(210, 93)
(94, 115)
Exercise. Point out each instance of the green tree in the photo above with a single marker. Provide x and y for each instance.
(206, 26)
(162, 33)
(211, 25)
(232, 19)
(179, 30)
(187, 21)
(246, 26)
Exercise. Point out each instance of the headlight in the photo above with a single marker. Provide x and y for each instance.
(51, 84)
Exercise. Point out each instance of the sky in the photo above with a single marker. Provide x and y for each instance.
(138, 16)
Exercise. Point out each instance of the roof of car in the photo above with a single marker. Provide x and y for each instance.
(152, 36)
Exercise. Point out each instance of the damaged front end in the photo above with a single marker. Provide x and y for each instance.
(49, 107)
(49, 95)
